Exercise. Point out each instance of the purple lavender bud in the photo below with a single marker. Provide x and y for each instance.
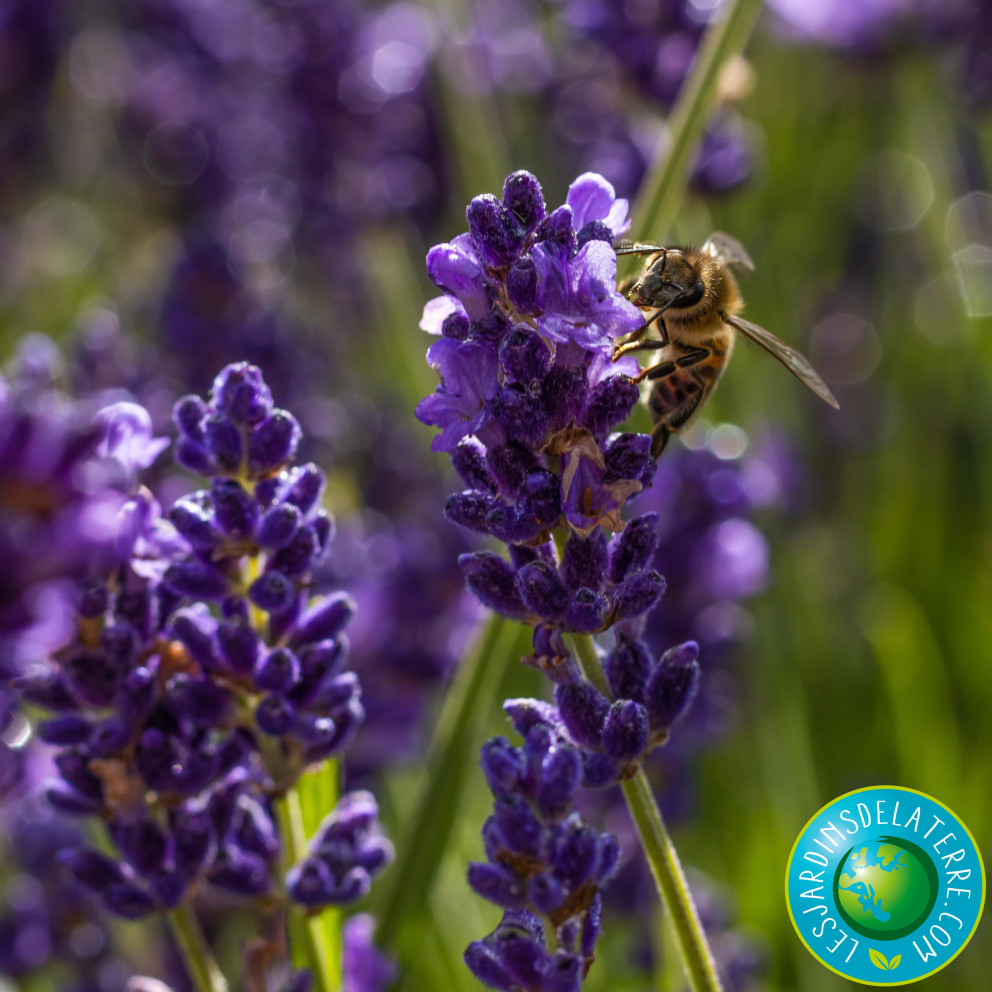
(628, 456)
(502, 766)
(521, 830)
(73, 766)
(523, 197)
(522, 414)
(469, 460)
(68, 801)
(526, 714)
(255, 831)
(273, 442)
(673, 685)
(561, 775)
(296, 559)
(524, 355)
(278, 671)
(496, 233)
(197, 580)
(638, 594)
(278, 525)
(595, 230)
(470, 509)
(493, 582)
(189, 414)
(625, 733)
(195, 456)
(545, 892)
(235, 510)
(241, 872)
(195, 521)
(497, 884)
(609, 857)
(575, 857)
(584, 562)
(304, 487)
(201, 701)
(48, 690)
(627, 666)
(557, 228)
(592, 925)
(541, 590)
(337, 692)
(487, 967)
(598, 771)
(354, 885)
(324, 620)
(224, 442)
(275, 716)
(634, 547)
(583, 710)
(110, 737)
(238, 645)
(240, 392)
(564, 392)
(128, 901)
(310, 883)
(323, 530)
(521, 285)
(565, 973)
(526, 958)
(143, 843)
(196, 629)
(540, 498)
(272, 591)
(610, 402)
(455, 326)
(192, 837)
(94, 870)
(509, 464)
(64, 731)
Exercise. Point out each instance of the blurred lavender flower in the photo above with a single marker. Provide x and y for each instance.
(66, 466)
(364, 968)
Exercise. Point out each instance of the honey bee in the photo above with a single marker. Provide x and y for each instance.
(695, 301)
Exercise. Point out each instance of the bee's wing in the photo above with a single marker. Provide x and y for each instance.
(796, 363)
(636, 248)
(728, 250)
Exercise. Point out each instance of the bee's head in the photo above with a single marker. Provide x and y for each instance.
(670, 281)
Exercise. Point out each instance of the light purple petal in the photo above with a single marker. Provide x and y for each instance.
(455, 267)
(435, 312)
(127, 436)
(591, 198)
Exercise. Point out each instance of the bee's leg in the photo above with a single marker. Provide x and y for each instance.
(634, 343)
(664, 429)
(686, 360)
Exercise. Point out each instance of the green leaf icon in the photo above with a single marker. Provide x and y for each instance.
(894, 963)
(878, 959)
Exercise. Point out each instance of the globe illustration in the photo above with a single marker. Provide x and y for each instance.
(885, 888)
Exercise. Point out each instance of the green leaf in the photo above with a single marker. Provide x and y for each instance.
(878, 959)
(894, 963)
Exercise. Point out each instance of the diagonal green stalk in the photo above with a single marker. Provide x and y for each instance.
(194, 950)
(306, 932)
(697, 959)
(666, 181)
(429, 828)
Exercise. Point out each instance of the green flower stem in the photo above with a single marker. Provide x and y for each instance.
(429, 827)
(665, 183)
(306, 933)
(193, 948)
(697, 959)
